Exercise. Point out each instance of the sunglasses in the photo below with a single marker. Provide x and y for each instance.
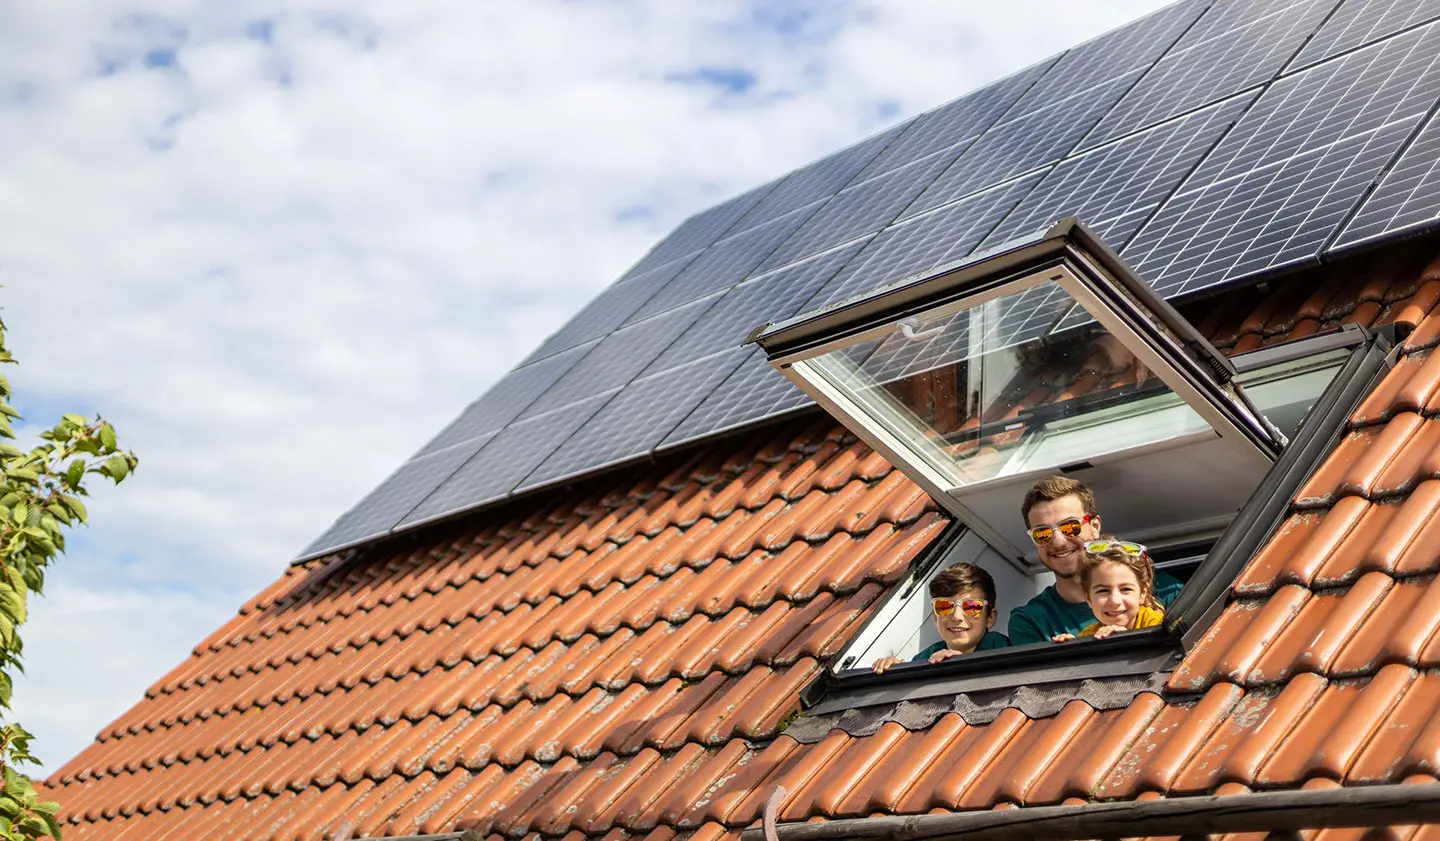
(973, 608)
(1069, 527)
(1134, 550)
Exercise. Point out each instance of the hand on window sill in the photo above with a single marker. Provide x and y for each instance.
(1062, 638)
(879, 666)
(1107, 630)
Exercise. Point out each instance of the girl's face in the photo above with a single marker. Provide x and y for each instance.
(1115, 595)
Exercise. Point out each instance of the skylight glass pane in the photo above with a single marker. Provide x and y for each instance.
(993, 389)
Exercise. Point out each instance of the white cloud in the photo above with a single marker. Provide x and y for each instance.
(280, 247)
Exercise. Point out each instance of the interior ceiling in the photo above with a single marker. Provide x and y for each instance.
(1209, 142)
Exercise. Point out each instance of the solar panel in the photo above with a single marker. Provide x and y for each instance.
(753, 392)
(1282, 181)
(776, 295)
(954, 124)
(1116, 187)
(702, 229)
(506, 399)
(1407, 197)
(509, 456)
(639, 417)
(618, 358)
(1360, 22)
(1234, 46)
(818, 181)
(725, 263)
(610, 309)
(382, 508)
(1023, 142)
(925, 242)
(860, 209)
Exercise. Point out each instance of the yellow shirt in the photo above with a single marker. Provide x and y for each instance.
(1146, 617)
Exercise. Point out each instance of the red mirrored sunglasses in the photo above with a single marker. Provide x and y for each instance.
(1069, 527)
(973, 608)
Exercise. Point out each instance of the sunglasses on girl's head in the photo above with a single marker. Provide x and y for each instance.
(973, 608)
(1134, 550)
(1069, 527)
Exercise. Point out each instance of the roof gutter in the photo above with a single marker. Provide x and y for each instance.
(1283, 811)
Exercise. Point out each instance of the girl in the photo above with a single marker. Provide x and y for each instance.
(1119, 583)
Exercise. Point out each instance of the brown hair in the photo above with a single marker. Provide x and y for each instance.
(1139, 564)
(1052, 488)
(954, 580)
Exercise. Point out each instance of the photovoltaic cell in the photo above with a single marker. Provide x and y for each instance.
(860, 209)
(818, 181)
(1360, 22)
(725, 263)
(609, 310)
(1234, 46)
(382, 508)
(509, 456)
(954, 124)
(1022, 143)
(775, 296)
(1407, 197)
(755, 391)
(637, 419)
(702, 229)
(924, 243)
(1116, 187)
(1294, 167)
(506, 399)
(618, 358)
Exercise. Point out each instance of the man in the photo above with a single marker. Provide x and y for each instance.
(1061, 516)
(962, 600)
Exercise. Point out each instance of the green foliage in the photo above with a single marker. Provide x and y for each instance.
(40, 491)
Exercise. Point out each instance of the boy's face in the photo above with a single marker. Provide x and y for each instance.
(1062, 554)
(1114, 595)
(960, 631)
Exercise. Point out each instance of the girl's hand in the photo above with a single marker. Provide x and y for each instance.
(1107, 630)
(1062, 638)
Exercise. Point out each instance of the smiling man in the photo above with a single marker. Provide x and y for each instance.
(1061, 516)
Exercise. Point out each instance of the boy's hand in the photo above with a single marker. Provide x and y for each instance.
(1062, 638)
(879, 666)
(1107, 630)
(944, 654)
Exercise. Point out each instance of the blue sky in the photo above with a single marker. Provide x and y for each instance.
(281, 246)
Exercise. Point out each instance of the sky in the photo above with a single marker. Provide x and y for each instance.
(280, 246)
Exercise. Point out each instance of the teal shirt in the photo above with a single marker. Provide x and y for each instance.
(1047, 614)
(992, 639)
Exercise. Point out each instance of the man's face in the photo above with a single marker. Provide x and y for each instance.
(961, 632)
(1062, 553)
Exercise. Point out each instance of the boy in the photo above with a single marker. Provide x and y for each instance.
(962, 600)
(1119, 583)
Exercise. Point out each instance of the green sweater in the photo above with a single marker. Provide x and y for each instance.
(992, 639)
(1047, 614)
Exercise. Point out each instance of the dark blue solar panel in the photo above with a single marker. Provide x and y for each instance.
(382, 508)
(818, 181)
(639, 417)
(755, 391)
(1291, 171)
(610, 309)
(725, 263)
(505, 459)
(1407, 197)
(1023, 142)
(956, 124)
(1360, 22)
(506, 399)
(1234, 46)
(1116, 187)
(774, 296)
(860, 209)
(700, 230)
(618, 358)
(924, 243)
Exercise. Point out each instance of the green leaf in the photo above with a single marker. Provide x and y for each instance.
(107, 435)
(117, 468)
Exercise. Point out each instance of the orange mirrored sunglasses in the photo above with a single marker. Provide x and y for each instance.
(1069, 527)
(973, 608)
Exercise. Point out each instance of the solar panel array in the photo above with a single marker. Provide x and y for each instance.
(1209, 142)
